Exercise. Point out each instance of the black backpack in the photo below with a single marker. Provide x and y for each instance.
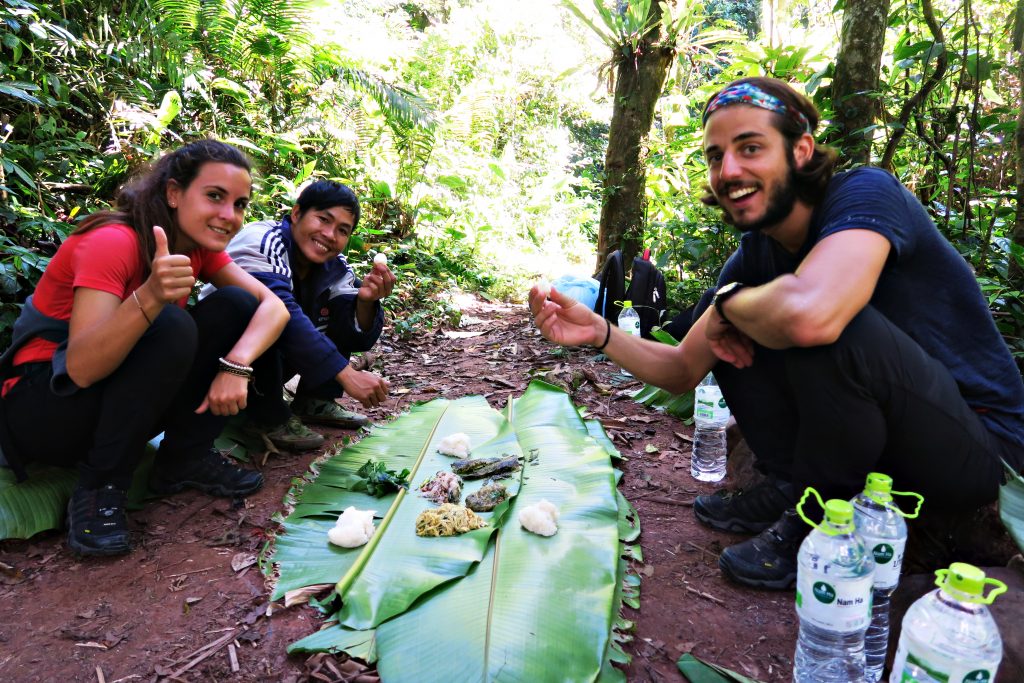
(646, 290)
(648, 293)
(612, 279)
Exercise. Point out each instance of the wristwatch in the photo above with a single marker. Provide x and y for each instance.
(722, 295)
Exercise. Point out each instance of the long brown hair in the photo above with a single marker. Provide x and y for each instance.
(142, 203)
(811, 180)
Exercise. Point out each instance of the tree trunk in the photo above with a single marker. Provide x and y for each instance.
(855, 86)
(638, 84)
(1016, 273)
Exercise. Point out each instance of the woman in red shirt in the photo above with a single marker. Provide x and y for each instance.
(105, 355)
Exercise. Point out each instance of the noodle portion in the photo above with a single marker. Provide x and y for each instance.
(447, 520)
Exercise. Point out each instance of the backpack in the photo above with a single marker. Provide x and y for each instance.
(647, 292)
(611, 287)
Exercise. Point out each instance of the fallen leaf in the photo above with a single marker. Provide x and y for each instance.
(463, 335)
(651, 448)
(242, 560)
(301, 596)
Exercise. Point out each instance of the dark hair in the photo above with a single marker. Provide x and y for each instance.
(323, 194)
(142, 202)
(811, 180)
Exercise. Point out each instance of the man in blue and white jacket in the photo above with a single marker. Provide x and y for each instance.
(333, 314)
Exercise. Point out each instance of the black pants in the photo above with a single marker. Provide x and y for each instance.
(104, 428)
(873, 401)
(266, 404)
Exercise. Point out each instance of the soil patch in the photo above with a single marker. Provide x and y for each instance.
(191, 604)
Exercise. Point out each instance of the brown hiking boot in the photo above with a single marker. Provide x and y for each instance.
(330, 413)
(291, 435)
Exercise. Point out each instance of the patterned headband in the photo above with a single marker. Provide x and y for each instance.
(745, 93)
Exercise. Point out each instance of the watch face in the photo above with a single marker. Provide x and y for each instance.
(725, 289)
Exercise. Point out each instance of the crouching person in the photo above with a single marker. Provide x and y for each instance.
(333, 314)
(105, 355)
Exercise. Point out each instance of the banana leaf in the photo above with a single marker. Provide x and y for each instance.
(36, 504)
(1011, 506)
(533, 601)
(40, 502)
(677, 405)
(335, 639)
(699, 671)
(385, 576)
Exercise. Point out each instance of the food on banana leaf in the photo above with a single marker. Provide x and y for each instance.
(485, 499)
(456, 445)
(443, 487)
(486, 467)
(540, 518)
(447, 520)
(377, 480)
(353, 528)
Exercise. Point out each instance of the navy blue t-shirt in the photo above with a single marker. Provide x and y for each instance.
(926, 289)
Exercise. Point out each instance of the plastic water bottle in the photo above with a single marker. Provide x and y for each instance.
(880, 523)
(833, 598)
(629, 322)
(949, 634)
(710, 416)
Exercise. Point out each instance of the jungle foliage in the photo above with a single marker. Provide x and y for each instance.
(475, 131)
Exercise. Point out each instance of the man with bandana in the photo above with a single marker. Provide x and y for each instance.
(847, 334)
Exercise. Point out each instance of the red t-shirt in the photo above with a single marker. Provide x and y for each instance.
(107, 259)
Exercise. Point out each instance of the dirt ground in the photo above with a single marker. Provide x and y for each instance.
(189, 604)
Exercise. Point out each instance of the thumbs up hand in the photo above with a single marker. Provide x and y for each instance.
(170, 278)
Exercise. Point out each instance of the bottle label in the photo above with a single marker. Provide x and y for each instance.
(888, 553)
(916, 661)
(843, 606)
(708, 405)
(630, 324)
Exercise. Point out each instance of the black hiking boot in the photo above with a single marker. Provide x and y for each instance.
(210, 473)
(769, 559)
(96, 521)
(742, 511)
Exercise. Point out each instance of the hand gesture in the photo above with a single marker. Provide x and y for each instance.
(367, 388)
(170, 278)
(564, 320)
(228, 395)
(728, 343)
(377, 285)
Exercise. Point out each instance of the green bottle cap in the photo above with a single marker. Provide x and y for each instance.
(967, 583)
(627, 304)
(838, 512)
(878, 487)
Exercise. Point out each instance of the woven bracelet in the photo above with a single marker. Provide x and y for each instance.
(607, 336)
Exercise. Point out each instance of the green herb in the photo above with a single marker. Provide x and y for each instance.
(376, 480)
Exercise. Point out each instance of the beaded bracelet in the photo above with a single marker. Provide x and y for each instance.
(233, 368)
(607, 336)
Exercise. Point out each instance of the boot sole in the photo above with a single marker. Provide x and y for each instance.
(778, 584)
(305, 446)
(212, 489)
(734, 525)
(328, 422)
(89, 551)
